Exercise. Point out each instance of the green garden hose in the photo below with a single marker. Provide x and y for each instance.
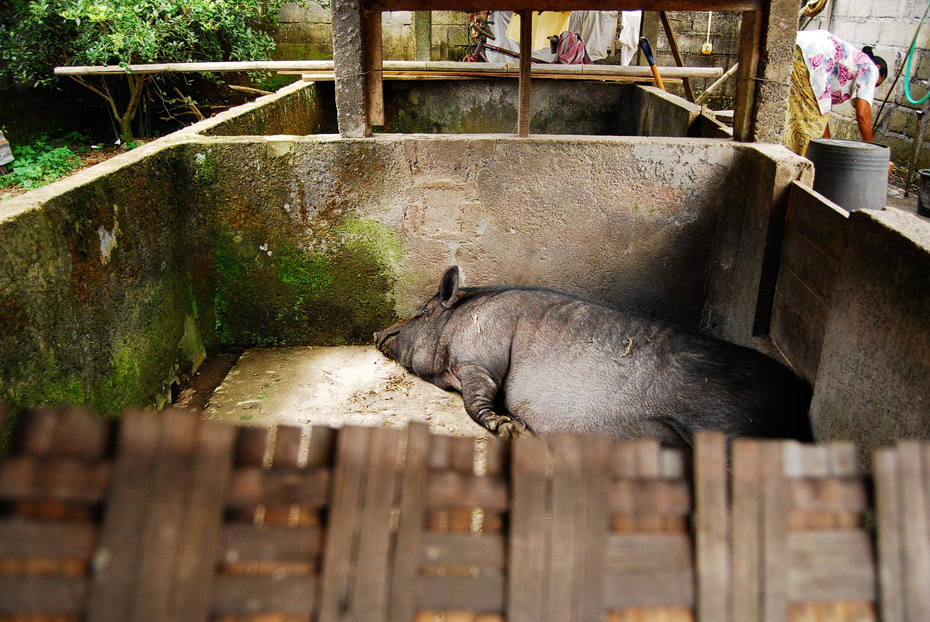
(907, 71)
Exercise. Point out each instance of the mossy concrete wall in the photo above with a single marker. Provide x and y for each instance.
(557, 107)
(116, 281)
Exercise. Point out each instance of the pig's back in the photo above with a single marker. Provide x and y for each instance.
(578, 366)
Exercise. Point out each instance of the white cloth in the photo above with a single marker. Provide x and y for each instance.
(629, 35)
(596, 28)
(838, 70)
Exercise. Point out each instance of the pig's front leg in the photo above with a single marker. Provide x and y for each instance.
(479, 388)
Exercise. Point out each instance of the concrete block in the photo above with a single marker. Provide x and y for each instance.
(873, 385)
(899, 121)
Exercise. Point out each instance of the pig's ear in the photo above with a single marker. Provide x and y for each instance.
(449, 287)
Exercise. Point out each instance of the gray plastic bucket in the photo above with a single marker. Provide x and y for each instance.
(852, 174)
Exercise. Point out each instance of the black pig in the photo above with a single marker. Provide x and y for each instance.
(532, 358)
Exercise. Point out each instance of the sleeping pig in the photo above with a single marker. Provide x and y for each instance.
(527, 358)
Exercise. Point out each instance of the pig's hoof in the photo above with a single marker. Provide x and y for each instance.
(511, 429)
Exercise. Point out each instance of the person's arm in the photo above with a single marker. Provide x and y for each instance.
(864, 119)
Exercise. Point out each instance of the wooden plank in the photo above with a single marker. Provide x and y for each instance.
(286, 453)
(287, 446)
(915, 525)
(201, 523)
(577, 5)
(747, 516)
(650, 497)
(828, 566)
(497, 454)
(481, 594)
(165, 509)
(450, 489)
(252, 595)
(661, 588)
(80, 434)
(26, 539)
(34, 432)
(588, 591)
(637, 553)
(38, 479)
(673, 464)
(529, 534)
(711, 525)
(120, 548)
(352, 449)
(24, 596)
(888, 536)
(750, 43)
(370, 590)
(525, 92)
(567, 499)
(280, 486)
(676, 52)
(774, 534)
(270, 543)
(251, 446)
(410, 525)
(827, 495)
(321, 447)
(462, 550)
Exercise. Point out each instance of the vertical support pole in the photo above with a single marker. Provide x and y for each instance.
(423, 34)
(526, 60)
(374, 82)
(750, 41)
(349, 69)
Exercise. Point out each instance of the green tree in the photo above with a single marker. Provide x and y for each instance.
(38, 35)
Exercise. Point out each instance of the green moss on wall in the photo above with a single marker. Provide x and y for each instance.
(275, 293)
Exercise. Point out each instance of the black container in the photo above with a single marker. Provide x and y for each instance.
(852, 174)
(923, 194)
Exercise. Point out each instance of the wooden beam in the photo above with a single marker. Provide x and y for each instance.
(574, 5)
(750, 40)
(676, 52)
(716, 85)
(326, 66)
(526, 61)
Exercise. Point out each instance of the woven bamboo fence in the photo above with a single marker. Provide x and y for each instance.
(168, 517)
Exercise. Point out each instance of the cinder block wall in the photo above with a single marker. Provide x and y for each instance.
(306, 34)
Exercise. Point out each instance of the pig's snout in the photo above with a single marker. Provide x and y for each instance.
(386, 340)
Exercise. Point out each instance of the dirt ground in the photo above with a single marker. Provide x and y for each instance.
(333, 386)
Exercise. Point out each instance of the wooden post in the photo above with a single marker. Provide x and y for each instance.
(676, 52)
(526, 60)
(349, 69)
(750, 40)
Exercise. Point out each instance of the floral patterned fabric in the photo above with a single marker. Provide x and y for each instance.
(804, 118)
(838, 71)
